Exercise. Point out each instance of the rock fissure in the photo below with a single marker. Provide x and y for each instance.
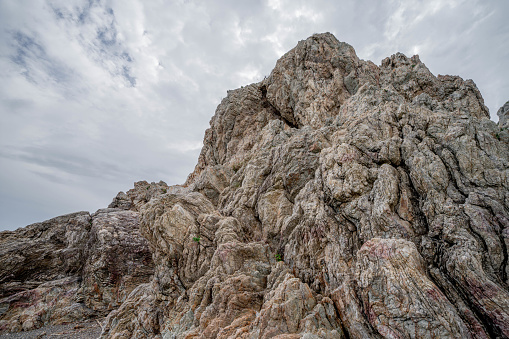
(504, 267)
(487, 326)
(275, 111)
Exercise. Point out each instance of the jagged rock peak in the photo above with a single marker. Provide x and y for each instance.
(337, 198)
(334, 199)
(310, 85)
(503, 116)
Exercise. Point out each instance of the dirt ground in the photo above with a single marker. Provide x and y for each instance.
(80, 330)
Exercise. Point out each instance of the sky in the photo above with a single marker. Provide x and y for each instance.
(95, 95)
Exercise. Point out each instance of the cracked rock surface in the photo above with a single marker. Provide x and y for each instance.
(70, 268)
(334, 199)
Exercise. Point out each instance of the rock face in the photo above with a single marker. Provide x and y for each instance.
(503, 116)
(334, 199)
(70, 268)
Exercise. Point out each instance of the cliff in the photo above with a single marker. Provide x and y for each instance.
(334, 199)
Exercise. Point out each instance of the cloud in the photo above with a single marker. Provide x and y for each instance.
(98, 94)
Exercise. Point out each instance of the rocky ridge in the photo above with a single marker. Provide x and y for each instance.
(334, 199)
(503, 115)
(73, 267)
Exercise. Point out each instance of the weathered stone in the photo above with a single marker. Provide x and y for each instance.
(53, 302)
(70, 268)
(335, 198)
(503, 116)
(139, 195)
(118, 260)
(399, 299)
(383, 190)
(41, 252)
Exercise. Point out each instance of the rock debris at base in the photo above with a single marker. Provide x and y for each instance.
(334, 199)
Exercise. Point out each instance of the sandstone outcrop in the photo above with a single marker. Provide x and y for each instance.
(334, 199)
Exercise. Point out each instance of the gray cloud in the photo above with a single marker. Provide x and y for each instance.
(36, 66)
(99, 94)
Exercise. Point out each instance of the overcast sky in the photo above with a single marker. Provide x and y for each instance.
(95, 95)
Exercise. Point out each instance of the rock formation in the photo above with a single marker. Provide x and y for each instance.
(503, 116)
(334, 199)
(70, 268)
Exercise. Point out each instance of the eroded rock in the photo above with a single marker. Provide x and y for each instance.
(335, 198)
(71, 268)
(383, 190)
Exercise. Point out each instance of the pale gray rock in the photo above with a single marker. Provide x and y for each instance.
(70, 268)
(41, 252)
(139, 195)
(503, 116)
(334, 199)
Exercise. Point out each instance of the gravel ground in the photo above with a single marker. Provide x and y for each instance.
(81, 330)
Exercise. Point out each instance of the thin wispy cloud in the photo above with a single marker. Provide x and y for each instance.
(98, 94)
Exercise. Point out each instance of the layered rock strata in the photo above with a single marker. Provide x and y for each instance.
(334, 199)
